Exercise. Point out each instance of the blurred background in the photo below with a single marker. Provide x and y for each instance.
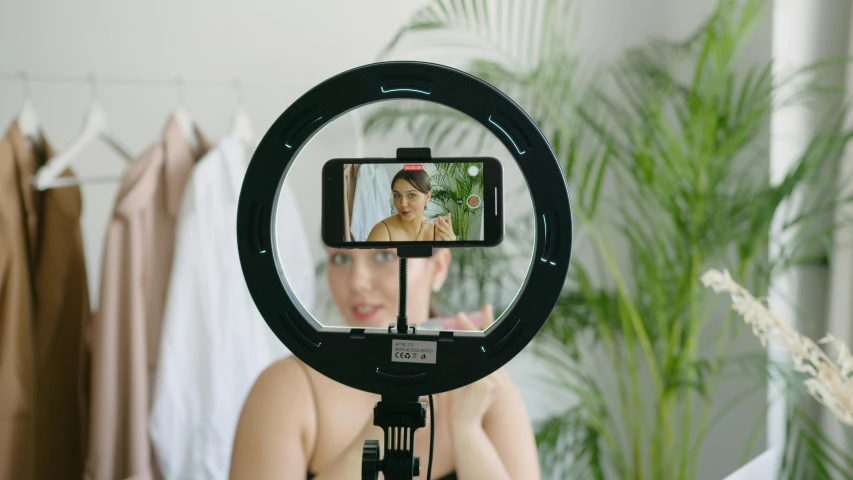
(693, 135)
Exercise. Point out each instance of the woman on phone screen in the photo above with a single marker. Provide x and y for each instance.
(411, 190)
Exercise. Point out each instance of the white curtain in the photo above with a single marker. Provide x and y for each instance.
(819, 298)
(372, 201)
(840, 291)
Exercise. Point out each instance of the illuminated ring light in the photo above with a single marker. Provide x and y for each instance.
(362, 358)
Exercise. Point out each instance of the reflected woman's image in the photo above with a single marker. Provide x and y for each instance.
(297, 423)
(411, 191)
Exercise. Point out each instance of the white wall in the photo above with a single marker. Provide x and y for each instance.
(279, 49)
(274, 45)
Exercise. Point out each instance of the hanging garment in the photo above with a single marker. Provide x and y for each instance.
(51, 343)
(215, 342)
(17, 240)
(126, 330)
(350, 174)
(62, 317)
(372, 200)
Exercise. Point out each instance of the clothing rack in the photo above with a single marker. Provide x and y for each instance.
(25, 78)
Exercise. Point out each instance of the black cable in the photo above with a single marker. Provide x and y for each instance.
(431, 436)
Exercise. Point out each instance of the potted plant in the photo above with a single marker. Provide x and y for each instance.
(662, 153)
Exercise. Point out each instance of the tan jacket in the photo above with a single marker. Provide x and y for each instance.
(17, 400)
(44, 311)
(126, 330)
(63, 314)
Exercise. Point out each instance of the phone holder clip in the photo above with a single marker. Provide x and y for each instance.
(414, 153)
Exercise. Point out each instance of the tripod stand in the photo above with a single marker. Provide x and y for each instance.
(399, 418)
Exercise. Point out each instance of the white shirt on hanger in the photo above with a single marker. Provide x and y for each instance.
(372, 201)
(214, 341)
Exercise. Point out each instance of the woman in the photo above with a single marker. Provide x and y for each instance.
(297, 422)
(411, 190)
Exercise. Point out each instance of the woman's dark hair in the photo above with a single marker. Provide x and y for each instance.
(418, 178)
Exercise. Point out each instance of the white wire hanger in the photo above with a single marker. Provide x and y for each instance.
(185, 121)
(241, 124)
(28, 119)
(94, 128)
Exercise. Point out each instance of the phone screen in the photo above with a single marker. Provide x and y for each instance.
(444, 202)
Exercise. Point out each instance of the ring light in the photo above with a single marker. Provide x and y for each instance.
(363, 358)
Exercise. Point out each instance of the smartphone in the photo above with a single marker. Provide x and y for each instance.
(386, 203)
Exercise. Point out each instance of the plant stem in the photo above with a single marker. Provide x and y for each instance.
(689, 358)
(628, 312)
(634, 420)
(635, 391)
(721, 347)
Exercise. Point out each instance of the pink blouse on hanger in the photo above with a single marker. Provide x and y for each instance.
(126, 330)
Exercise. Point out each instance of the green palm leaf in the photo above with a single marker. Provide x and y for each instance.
(666, 149)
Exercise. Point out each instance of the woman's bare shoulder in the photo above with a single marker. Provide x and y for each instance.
(288, 372)
(285, 381)
(279, 413)
(287, 366)
(379, 232)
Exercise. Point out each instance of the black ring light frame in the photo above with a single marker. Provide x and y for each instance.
(362, 358)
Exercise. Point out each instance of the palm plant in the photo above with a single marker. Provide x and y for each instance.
(499, 40)
(664, 153)
(452, 185)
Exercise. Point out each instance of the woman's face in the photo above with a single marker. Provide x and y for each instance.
(365, 285)
(408, 200)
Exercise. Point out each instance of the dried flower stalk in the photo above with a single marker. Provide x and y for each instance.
(831, 382)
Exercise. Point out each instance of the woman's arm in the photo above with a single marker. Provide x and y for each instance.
(510, 430)
(503, 445)
(275, 434)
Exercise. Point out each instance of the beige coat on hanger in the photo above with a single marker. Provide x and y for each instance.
(126, 330)
(44, 311)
